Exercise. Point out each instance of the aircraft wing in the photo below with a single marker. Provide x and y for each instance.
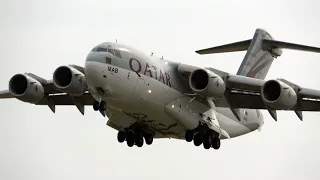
(5, 94)
(54, 96)
(246, 92)
(237, 99)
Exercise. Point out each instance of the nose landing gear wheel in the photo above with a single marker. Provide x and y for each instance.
(96, 106)
(103, 106)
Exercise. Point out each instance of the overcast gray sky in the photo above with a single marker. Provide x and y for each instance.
(38, 36)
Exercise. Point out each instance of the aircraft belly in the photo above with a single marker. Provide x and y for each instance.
(155, 121)
(132, 98)
(186, 111)
(231, 126)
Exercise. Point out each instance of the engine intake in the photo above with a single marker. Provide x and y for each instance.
(278, 94)
(70, 80)
(62, 77)
(207, 83)
(26, 88)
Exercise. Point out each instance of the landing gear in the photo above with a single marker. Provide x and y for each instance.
(121, 136)
(216, 143)
(139, 139)
(198, 139)
(135, 138)
(188, 136)
(130, 138)
(207, 141)
(96, 106)
(148, 138)
(207, 137)
(102, 106)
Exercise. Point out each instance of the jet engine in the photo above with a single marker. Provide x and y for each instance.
(278, 95)
(207, 83)
(69, 80)
(26, 88)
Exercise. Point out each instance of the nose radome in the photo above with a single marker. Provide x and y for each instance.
(94, 57)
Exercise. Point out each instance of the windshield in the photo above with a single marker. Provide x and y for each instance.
(114, 52)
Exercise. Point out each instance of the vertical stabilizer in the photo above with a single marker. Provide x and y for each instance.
(257, 62)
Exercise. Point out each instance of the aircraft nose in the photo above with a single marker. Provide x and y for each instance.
(95, 57)
(93, 66)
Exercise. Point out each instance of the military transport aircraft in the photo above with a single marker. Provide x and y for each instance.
(146, 97)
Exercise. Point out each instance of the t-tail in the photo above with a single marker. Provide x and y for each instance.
(262, 49)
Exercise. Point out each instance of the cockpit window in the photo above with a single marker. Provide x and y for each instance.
(111, 51)
(114, 52)
(117, 53)
(100, 49)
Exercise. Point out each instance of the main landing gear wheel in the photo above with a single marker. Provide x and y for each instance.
(130, 139)
(216, 143)
(207, 141)
(139, 139)
(188, 136)
(198, 139)
(121, 136)
(148, 138)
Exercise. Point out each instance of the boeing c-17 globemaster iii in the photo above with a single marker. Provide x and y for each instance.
(145, 97)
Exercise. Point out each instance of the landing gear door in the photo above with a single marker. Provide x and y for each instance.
(139, 87)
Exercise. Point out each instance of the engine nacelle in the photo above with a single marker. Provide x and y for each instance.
(69, 80)
(26, 88)
(207, 83)
(278, 95)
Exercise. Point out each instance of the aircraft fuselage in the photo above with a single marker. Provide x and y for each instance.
(147, 90)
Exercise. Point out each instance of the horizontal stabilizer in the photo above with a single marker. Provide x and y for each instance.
(237, 46)
(267, 44)
(286, 45)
